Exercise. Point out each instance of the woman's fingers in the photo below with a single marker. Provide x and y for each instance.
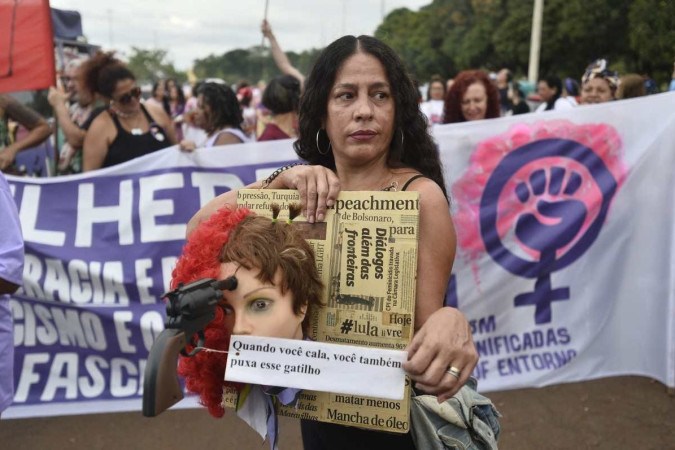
(187, 146)
(328, 188)
(322, 196)
(442, 356)
(318, 188)
(312, 197)
(305, 181)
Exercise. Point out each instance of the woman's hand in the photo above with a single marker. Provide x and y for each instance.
(187, 146)
(7, 156)
(444, 341)
(57, 96)
(266, 29)
(317, 185)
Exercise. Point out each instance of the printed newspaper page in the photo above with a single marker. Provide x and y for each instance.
(366, 253)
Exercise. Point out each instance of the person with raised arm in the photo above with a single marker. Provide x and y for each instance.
(279, 56)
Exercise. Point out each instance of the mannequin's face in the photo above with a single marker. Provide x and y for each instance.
(257, 308)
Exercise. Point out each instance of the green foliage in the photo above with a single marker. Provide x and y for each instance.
(251, 64)
(452, 35)
(652, 37)
(447, 36)
(150, 65)
(578, 32)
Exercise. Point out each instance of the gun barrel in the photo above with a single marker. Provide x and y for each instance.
(161, 388)
(189, 310)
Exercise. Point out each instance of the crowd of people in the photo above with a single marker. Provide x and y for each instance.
(358, 124)
(477, 94)
(102, 118)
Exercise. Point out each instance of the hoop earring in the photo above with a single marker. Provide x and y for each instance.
(318, 149)
(402, 138)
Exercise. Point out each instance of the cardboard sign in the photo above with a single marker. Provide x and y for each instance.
(318, 366)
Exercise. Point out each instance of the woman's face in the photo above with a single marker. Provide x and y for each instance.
(159, 92)
(596, 90)
(202, 113)
(361, 111)
(436, 91)
(84, 96)
(474, 102)
(545, 91)
(259, 309)
(173, 92)
(126, 96)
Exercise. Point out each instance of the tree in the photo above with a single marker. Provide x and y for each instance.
(652, 37)
(150, 65)
(447, 36)
(251, 64)
(577, 32)
(444, 37)
(511, 37)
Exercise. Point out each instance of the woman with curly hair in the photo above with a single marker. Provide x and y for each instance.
(472, 97)
(361, 129)
(127, 128)
(218, 113)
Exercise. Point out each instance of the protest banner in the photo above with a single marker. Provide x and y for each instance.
(547, 303)
(366, 254)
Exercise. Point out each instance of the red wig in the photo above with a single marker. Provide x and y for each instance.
(453, 99)
(204, 372)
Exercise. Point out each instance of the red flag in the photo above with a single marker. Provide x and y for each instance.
(26, 45)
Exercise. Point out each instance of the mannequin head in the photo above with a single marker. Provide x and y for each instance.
(278, 287)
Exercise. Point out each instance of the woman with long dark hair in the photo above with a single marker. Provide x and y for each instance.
(360, 128)
(550, 90)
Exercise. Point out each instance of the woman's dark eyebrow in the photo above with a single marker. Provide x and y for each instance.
(376, 85)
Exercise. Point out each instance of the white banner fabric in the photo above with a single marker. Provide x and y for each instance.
(565, 262)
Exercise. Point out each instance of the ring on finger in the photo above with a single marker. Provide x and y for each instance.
(454, 371)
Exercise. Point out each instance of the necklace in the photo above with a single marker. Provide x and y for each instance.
(123, 115)
(135, 130)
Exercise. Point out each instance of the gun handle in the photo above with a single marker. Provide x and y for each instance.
(161, 388)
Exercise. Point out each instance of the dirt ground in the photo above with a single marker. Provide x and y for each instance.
(612, 413)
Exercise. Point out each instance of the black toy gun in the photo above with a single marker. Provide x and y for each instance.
(189, 309)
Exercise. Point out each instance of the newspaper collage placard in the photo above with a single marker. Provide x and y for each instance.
(366, 253)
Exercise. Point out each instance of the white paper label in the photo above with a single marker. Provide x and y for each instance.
(317, 366)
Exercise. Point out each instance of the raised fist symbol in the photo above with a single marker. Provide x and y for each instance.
(559, 215)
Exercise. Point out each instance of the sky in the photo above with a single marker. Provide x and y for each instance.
(195, 29)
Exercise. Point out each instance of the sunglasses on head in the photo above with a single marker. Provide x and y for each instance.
(125, 99)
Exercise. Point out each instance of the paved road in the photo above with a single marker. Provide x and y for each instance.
(613, 413)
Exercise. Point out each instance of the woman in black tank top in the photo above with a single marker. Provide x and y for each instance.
(127, 129)
(129, 145)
